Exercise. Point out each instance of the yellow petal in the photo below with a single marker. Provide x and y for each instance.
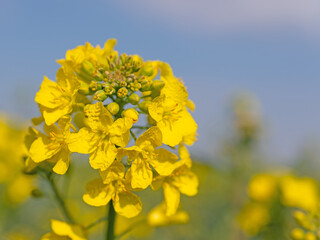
(172, 198)
(48, 94)
(103, 156)
(175, 131)
(85, 141)
(52, 115)
(131, 152)
(98, 194)
(157, 183)
(186, 181)
(127, 204)
(99, 118)
(141, 174)
(158, 218)
(53, 236)
(156, 108)
(67, 79)
(184, 156)
(62, 160)
(43, 148)
(165, 162)
(119, 132)
(152, 135)
(74, 232)
(114, 172)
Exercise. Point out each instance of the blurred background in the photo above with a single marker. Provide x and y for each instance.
(251, 67)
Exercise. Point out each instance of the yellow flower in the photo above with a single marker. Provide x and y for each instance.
(112, 186)
(174, 87)
(299, 192)
(157, 217)
(144, 155)
(182, 180)
(101, 137)
(76, 57)
(53, 146)
(253, 217)
(263, 187)
(56, 99)
(65, 231)
(174, 121)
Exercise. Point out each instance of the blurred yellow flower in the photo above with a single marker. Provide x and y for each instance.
(263, 187)
(65, 231)
(299, 192)
(157, 217)
(253, 217)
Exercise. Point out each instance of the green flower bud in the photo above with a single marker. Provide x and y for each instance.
(157, 85)
(94, 86)
(148, 69)
(134, 99)
(131, 114)
(88, 67)
(122, 92)
(84, 89)
(100, 95)
(143, 106)
(113, 108)
(36, 193)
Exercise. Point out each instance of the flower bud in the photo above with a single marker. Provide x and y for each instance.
(134, 99)
(84, 89)
(297, 234)
(122, 92)
(94, 86)
(132, 114)
(113, 108)
(143, 106)
(157, 85)
(36, 193)
(100, 95)
(310, 236)
(88, 67)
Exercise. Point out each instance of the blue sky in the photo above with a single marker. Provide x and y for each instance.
(270, 48)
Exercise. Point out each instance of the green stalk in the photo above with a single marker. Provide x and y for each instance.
(60, 200)
(110, 224)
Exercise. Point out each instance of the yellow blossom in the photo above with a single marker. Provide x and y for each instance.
(253, 217)
(157, 217)
(181, 180)
(101, 137)
(299, 192)
(263, 187)
(65, 231)
(144, 155)
(56, 99)
(53, 146)
(112, 186)
(174, 121)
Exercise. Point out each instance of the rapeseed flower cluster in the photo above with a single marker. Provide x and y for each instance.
(276, 191)
(133, 119)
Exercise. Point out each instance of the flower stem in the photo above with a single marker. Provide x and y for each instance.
(111, 222)
(59, 199)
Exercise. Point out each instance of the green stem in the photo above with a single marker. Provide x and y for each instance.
(111, 222)
(59, 199)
